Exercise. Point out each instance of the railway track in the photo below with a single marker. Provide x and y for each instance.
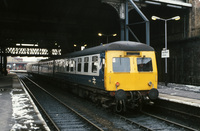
(182, 114)
(60, 115)
(151, 122)
(108, 121)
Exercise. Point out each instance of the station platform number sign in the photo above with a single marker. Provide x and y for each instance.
(165, 53)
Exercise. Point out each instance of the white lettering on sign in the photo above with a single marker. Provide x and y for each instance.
(165, 54)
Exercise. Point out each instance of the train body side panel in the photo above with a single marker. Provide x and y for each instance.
(129, 79)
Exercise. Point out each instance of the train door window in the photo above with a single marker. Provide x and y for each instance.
(94, 64)
(56, 66)
(71, 65)
(60, 65)
(63, 65)
(79, 64)
(86, 64)
(67, 65)
(144, 64)
(121, 64)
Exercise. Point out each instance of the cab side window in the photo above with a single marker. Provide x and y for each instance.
(94, 64)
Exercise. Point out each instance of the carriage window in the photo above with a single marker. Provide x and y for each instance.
(94, 64)
(144, 64)
(86, 63)
(121, 64)
(79, 64)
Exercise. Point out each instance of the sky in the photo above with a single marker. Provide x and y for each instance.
(32, 59)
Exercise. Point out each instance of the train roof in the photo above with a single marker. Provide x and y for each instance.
(118, 45)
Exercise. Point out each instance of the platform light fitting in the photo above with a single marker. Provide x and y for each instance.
(174, 6)
(114, 34)
(19, 44)
(158, 18)
(99, 34)
(176, 18)
(155, 18)
(153, 3)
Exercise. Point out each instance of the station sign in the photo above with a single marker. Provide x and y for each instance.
(165, 53)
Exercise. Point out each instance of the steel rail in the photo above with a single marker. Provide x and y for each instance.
(170, 122)
(84, 118)
(40, 106)
(134, 123)
(180, 112)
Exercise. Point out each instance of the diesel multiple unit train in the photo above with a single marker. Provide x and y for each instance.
(119, 75)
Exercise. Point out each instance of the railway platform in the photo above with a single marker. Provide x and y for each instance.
(17, 110)
(179, 93)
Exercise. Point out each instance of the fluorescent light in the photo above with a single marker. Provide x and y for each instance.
(27, 44)
(174, 6)
(153, 3)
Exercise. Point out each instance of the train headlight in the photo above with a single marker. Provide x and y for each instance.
(150, 83)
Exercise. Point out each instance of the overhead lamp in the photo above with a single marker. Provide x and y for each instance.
(174, 6)
(158, 18)
(99, 34)
(114, 35)
(153, 3)
(176, 18)
(155, 18)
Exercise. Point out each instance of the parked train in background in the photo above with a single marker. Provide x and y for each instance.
(118, 75)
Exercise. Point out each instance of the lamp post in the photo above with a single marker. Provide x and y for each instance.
(100, 34)
(165, 20)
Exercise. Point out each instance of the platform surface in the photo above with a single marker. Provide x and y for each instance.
(185, 94)
(17, 110)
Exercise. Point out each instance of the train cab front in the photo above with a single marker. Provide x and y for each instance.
(131, 77)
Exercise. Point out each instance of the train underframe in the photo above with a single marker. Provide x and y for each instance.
(118, 101)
